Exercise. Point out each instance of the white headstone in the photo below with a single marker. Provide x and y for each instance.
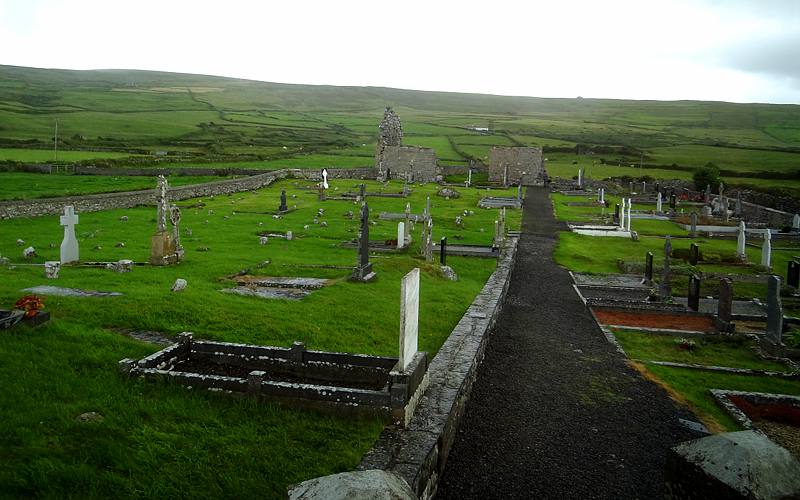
(69, 247)
(740, 243)
(325, 178)
(603, 195)
(409, 317)
(628, 220)
(766, 250)
(401, 234)
(469, 178)
(580, 177)
(659, 201)
(796, 221)
(51, 268)
(622, 215)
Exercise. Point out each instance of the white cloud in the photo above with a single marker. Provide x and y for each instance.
(620, 49)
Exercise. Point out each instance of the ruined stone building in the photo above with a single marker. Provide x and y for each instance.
(395, 161)
(514, 165)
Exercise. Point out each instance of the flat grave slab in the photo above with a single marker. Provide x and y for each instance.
(264, 292)
(69, 292)
(283, 282)
(609, 280)
(469, 250)
(498, 202)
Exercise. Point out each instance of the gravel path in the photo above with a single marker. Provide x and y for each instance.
(556, 411)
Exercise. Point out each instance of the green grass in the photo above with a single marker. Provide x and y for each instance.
(694, 386)
(733, 353)
(25, 186)
(160, 440)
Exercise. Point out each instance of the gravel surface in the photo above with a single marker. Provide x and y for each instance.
(555, 410)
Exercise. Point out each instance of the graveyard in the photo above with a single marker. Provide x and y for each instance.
(243, 289)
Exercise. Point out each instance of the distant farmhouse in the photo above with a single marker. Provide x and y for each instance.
(517, 165)
(395, 161)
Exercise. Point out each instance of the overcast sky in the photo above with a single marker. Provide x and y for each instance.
(702, 49)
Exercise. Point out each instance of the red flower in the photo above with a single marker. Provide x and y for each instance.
(31, 304)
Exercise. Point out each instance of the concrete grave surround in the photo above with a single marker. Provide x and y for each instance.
(409, 318)
(69, 246)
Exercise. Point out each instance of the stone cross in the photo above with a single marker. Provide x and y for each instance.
(407, 225)
(162, 202)
(324, 178)
(69, 246)
(363, 269)
(175, 219)
(766, 249)
(693, 230)
(283, 207)
(694, 254)
(658, 203)
(428, 243)
(694, 292)
(648, 269)
(409, 318)
(740, 242)
(628, 220)
(793, 274)
(774, 311)
(725, 303)
(665, 287)
(401, 235)
(796, 222)
(622, 216)
(443, 251)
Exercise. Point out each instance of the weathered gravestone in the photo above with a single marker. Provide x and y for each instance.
(693, 230)
(69, 246)
(740, 242)
(673, 201)
(283, 207)
(707, 197)
(622, 215)
(766, 249)
(401, 235)
(616, 213)
(694, 254)
(648, 269)
(796, 222)
(725, 306)
(793, 274)
(629, 218)
(694, 292)
(427, 243)
(51, 268)
(407, 225)
(362, 192)
(443, 251)
(658, 203)
(665, 288)
(774, 311)
(363, 270)
(164, 249)
(409, 318)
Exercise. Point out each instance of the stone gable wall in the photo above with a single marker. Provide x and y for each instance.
(421, 163)
(518, 160)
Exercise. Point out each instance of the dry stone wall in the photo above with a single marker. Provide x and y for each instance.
(107, 201)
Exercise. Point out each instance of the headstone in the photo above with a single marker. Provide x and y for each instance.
(694, 254)
(401, 235)
(740, 242)
(428, 243)
(362, 192)
(707, 197)
(69, 246)
(616, 214)
(721, 189)
(658, 187)
(324, 178)
(658, 203)
(428, 207)
(673, 201)
(289, 235)
(363, 269)
(443, 251)
(737, 210)
(665, 287)
(179, 285)
(580, 178)
(630, 187)
(725, 302)
(694, 293)
(496, 241)
(706, 211)
(469, 178)
(519, 192)
(162, 203)
(622, 216)
(502, 225)
(603, 196)
(263, 240)
(693, 230)
(774, 311)
(51, 268)
(648, 269)
(283, 207)
(409, 318)
(793, 274)
(796, 222)
(628, 220)
(766, 249)
(724, 208)
(407, 224)
(175, 219)
(644, 186)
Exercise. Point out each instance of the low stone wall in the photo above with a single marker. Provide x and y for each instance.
(129, 199)
(419, 452)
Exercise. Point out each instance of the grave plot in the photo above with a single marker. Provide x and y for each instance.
(221, 240)
(276, 287)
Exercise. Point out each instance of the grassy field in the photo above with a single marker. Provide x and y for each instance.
(25, 186)
(163, 441)
(259, 124)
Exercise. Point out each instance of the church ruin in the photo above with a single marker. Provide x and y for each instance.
(518, 165)
(395, 161)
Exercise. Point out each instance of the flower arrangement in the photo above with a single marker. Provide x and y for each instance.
(685, 344)
(31, 304)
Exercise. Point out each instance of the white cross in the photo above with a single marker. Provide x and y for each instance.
(69, 247)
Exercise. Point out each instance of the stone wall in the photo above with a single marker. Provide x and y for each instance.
(107, 201)
(421, 163)
(419, 452)
(517, 160)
